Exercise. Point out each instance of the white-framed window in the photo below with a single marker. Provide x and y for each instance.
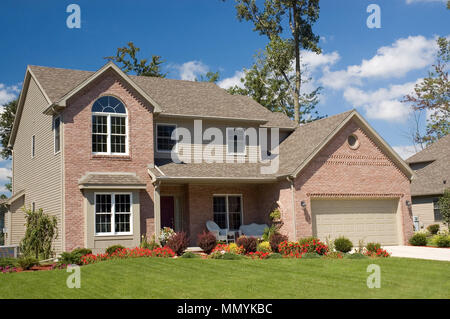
(33, 146)
(235, 140)
(109, 127)
(164, 141)
(113, 214)
(57, 134)
(228, 211)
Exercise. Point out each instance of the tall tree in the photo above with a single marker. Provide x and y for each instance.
(6, 124)
(270, 89)
(433, 96)
(126, 56)
(210, 76)
(271, 20)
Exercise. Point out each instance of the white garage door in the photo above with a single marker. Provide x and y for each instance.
(368, 220)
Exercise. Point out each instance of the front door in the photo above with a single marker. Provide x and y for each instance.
(167, 212)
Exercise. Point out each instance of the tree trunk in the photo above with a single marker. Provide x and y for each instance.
(297, 67)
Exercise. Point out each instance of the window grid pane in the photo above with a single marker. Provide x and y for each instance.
(164, 139)
(220, 211)
(122, 213)
(103, 213)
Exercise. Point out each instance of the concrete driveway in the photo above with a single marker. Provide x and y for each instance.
(419, 252)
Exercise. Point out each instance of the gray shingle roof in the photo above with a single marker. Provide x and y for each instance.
(305, 139)
(430, 177)
(112, 179)
(173, 96)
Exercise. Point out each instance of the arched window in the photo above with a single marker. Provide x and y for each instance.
(109, 126)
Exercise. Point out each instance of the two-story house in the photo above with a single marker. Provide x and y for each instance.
(96, 149)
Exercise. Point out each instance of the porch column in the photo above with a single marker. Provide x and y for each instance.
(157, 209)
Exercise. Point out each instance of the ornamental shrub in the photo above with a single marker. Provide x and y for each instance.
(343, 244)
(206, 241)
(373, 247)
(41, 230)
(113, 248)
(264, 247)
(313, 245)
(8, 262)
(27, 262)
(74, 257)
(248, 243)
(178, 242)
(418, 239)
(355, 256)
(443, 241)
(275, 241)
(149, 244)
(334, 255)
(225, 255)
(189, 254)
(433, 229)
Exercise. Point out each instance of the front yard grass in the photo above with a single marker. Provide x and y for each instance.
(272, 278)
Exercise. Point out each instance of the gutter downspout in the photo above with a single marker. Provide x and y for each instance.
(291, 180)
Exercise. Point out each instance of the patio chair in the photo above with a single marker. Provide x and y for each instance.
(221, 234)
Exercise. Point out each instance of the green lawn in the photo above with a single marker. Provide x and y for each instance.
(273, 278)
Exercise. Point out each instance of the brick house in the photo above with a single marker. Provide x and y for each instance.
(95, 149)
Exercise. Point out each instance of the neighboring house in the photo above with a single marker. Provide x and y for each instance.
(93, 149)
(432, 169)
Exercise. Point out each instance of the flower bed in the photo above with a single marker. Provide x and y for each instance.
(297, 250)
(258, 255)
(163, 252)
(378, 253)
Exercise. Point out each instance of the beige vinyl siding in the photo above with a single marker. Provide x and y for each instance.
(17, 224)
(424, 209)
(252, 153)
(41, 176)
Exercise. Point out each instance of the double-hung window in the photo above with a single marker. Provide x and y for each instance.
(109, 126)
(437, 211)
(113, 214)
(164, 141)
(228, 211)
(235, 140)
(57, 134)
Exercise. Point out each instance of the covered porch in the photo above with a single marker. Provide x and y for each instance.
(188, 206)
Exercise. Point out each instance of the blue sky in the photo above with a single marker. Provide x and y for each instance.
(362, 68)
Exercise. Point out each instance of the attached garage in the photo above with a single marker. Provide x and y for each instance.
(370, 220)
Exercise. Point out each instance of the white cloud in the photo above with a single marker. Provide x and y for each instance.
(383, 103)
(191, 70)
(4, 174)
(313, 60)
(406, 151)
(394, 61)
(232, 81)
(8, 93)
(414, 1)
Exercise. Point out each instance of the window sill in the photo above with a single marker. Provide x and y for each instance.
(112, 236)
(112, 157)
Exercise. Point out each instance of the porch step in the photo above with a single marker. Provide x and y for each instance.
(195, 250)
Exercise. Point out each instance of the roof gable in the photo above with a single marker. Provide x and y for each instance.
(299, 149)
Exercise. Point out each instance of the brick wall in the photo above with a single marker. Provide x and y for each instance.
(78, 158)
(341, 172)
